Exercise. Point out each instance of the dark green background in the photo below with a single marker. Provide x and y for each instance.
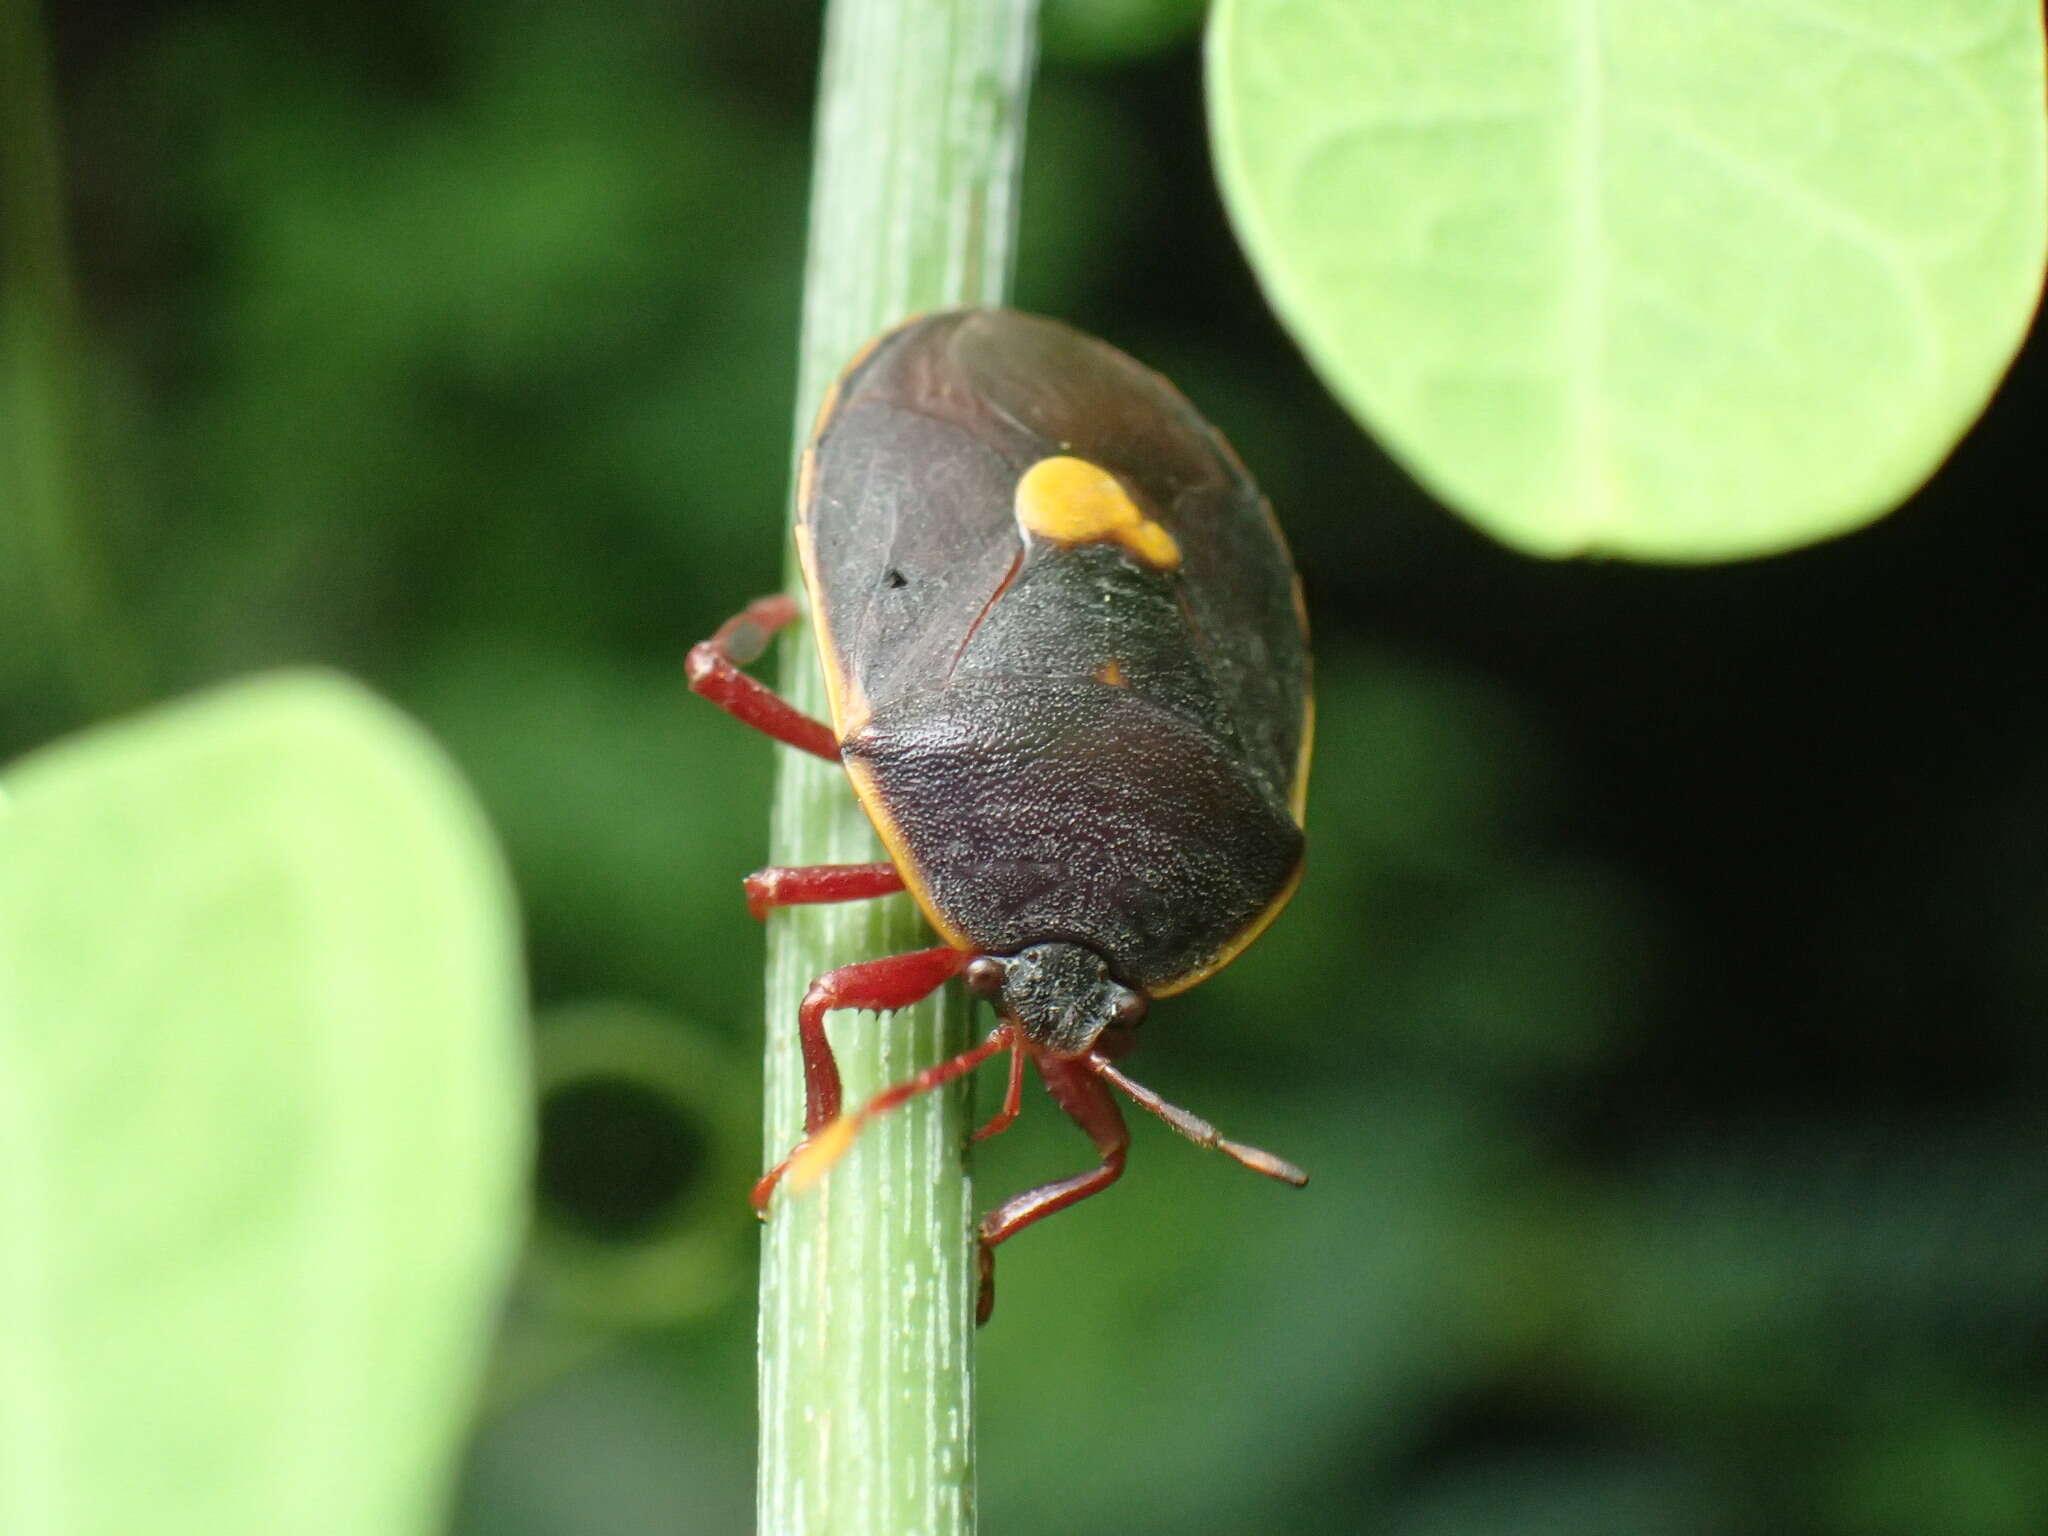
(1660, 1015)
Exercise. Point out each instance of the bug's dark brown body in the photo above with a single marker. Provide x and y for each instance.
(1058, 740)
(1069, 679)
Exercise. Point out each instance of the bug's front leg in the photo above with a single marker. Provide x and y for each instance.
(714, 672)
(1087, 1101)
(878, 985)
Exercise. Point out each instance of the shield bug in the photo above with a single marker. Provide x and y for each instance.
(1067, 663)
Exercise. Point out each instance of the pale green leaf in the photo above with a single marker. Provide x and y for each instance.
(1673, 279)
(262, 1098)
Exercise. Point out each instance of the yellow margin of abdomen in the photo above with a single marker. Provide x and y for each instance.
(848, 704)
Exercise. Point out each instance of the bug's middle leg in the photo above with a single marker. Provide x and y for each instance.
(1087, 1101)
(786, 886)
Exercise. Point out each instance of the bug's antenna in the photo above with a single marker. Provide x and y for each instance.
(1196, 1129)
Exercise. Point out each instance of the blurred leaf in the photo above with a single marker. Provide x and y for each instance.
(1964, 1468)
(1560, 1493)
(1672, 282)
(1464, 943)
(479, 360)
(58, 616)
(631, 810)
(1196, 1300)
(261, 1097)
(1422, 765)
(1534, 974)
(628, 1447)
(649, 1140)
(649, 1145)
(1083, 211)
(1798, 1268)
(1114, 31)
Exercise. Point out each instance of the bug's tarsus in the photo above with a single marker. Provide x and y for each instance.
(1196, 1129)
(714, 672)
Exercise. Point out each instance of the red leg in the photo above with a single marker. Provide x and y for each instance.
(879, 985)
(1013, 1097)
(1081, 1094)
(933, 1077)
(814, 1155)
(714, 671)
(780, 886)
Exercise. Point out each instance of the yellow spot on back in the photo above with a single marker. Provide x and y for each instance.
(1109, 672)
(1071, 501)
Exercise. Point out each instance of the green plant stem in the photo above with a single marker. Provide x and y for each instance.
(866, 1367)
(61, 620)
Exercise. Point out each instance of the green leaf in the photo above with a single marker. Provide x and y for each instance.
(262, 1145)
(1685, 280)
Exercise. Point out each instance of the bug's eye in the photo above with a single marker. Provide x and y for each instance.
(984, 975)
(1130, 1008)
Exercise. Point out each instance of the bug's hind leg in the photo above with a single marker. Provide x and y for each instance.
(783, 886)
(714, 671)
(878, 985)
(1082, 1095)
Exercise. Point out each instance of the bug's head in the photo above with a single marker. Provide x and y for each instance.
(1061, 995)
